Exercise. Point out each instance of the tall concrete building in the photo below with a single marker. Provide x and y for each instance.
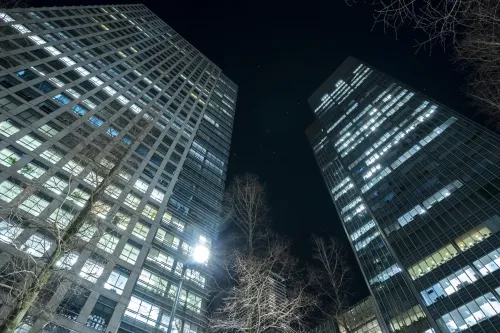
(417, 189)
(84, 81)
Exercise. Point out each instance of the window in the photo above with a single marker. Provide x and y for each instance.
(141, 185)
(61, 217)
(157, 194)
(73, 302)
(73, 167)
(152, 282)
(117, 280)
(142, 311)
(34, 205)
(121, 220)
(8, 157)
(101, 314)
(186, 248)
(130, 253)
(473, 237)
(140, 230)
(32, 171)
(173, 221)
(132, 201)
(87, 231)
(52, 155)
(93, 179)
(449, 285)
(61, 98)
(67, 261)
(488, 263)
(9, 231)
(470, 314)
(108, 243)
(195, 277)
(433, 261)
(150, 212)
(385, 274)
(191, 301)
(407, 318)
(48, 130)
(37, 245)
(30, 142)
(91, 270)
(167, 238)
(161, 258)
(441, 194)
(79, 197)
(55, 184)
(8, 128)
(113, 191)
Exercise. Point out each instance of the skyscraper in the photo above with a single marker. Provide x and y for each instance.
(417, 189)
(95, 81)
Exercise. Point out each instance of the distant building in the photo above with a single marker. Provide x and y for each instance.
(417, 188)
(72, 75)
(361, 318)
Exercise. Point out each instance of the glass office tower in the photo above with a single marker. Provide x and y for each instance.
(74, 81)
(417, 188)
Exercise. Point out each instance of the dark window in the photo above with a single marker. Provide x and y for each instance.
(8, 81)
(101, 314)
(28, 94)
(73, 302)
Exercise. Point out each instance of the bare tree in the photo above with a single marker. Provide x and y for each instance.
(257, 302)
(268, 289)
(245, 204)
(469, 27)
(332, 278)
(30, 277)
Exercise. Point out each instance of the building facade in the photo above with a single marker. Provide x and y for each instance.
(80, 84)
(360, 318)
(416, 187)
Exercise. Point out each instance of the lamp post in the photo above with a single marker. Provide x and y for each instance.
(199, 256)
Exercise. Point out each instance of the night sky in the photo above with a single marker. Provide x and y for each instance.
(278, 53)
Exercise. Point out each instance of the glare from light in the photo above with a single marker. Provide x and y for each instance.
(200, 254)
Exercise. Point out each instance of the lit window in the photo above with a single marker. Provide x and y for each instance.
(108, 243)
(101, 209)
(472, 313)
(441, 194)
(9, 190)
(141, 185)
(132, 201)
(67, 261)
(79, 197)
(449, 285)
(406, 318)
(8, 157)
(32, 171)
(173, 221)
(9, 231)
(7, 128)
(191, 301)
(48, 130)
(488, 263)
(61, 217)
(161, 258)
(121, 220)
(157, 194)
(167, 239)
(113, 191)
(130, 253)
(116, 281)
(73, 167)
(385, 275)
(150, 212)
(55, 184)
(195, 277)
(433, 261)
(87, 231)
(34, 205)
(91, 270)
(29, 142)
(51, 155)
(142, 311)
(93, 179)
(37, 245)
(186, 248)
(152, 282)
(473, 237)
(140, 230)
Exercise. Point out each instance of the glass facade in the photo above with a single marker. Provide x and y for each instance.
(72, 79)
(417, 188)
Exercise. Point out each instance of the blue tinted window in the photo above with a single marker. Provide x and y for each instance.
(80, 110)
(111, 131)
(45, 87)
(96, 121)
(61, 98)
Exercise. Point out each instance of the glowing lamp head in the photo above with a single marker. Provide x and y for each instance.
(200, 254)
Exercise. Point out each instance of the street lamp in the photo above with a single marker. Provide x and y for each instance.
(199, 256)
